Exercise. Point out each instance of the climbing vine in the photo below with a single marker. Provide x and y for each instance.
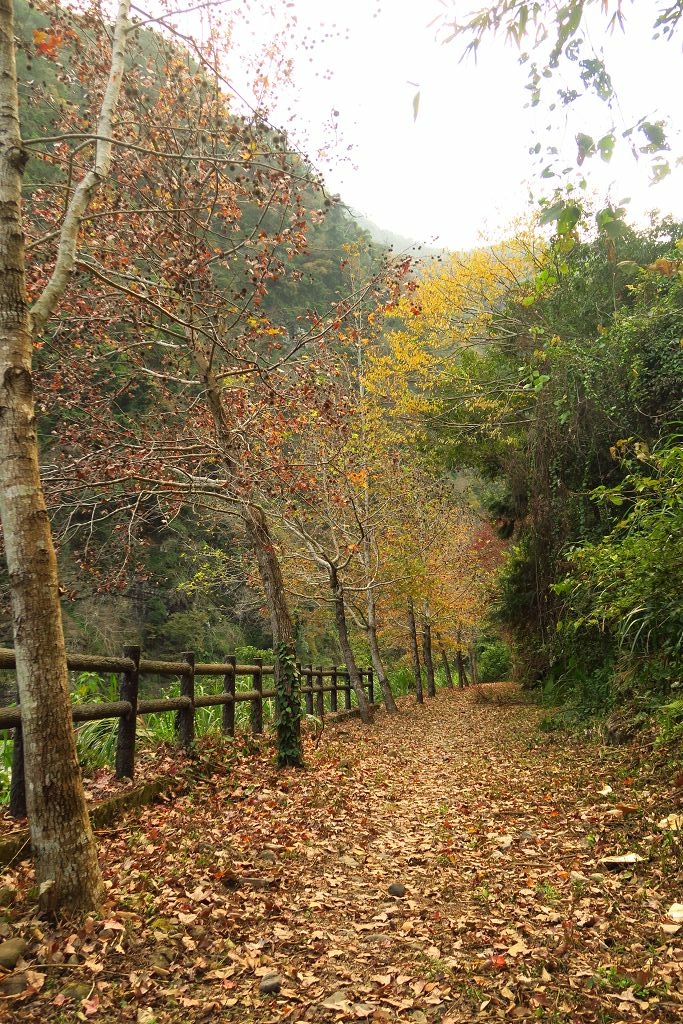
(288, 709)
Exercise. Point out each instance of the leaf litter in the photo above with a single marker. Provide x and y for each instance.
(448, 864)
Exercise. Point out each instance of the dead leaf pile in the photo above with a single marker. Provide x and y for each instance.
(448, 864)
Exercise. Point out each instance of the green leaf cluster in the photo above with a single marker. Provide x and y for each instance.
(629, 584)
(585, 353)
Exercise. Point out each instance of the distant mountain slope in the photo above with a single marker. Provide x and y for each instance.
(399, 243)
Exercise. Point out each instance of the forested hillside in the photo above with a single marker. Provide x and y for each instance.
(149, 549)
(561, 383)
(542, 378)
(131, 566)
(243, 440)
(198, 331)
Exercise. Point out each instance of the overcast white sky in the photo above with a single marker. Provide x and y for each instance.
(463, 166)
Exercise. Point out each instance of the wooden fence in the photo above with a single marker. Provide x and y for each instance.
(131, 667)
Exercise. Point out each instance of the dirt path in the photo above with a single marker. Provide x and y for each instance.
(495, 831)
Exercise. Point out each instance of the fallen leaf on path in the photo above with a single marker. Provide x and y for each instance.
(672, 823)
(675, 912)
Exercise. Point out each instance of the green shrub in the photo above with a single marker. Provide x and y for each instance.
(494, 662)
(6, 749)
(401, 680)
(247, 653)
(670, 721)
(96, 741)
(628, 586)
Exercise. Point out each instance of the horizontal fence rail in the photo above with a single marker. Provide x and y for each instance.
(131, 667)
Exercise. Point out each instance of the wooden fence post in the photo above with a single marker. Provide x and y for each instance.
(228, 718)
(17, 792)
(257, 702)
(319, 696)
(308, 672)
(125, 741)
(371, 686)
(186, 715)
(333, 691)
(347, 689)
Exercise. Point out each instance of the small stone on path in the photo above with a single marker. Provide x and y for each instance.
(7, 896)
(77, 991)
(14, 985)
(260, 883)
(10, 953)
(270, 984)
(397, 889)
(267, 855)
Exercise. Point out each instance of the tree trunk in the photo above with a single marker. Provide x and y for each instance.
(472, 652)
(342, 629)
(62, 840)
(288, 703)
(378, 666)
(462, 678)
(427, 657)
(444, 661)
(376, 656)
(288, 707)
(415, 651)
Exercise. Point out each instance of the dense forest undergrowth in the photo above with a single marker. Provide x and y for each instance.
(449, 863)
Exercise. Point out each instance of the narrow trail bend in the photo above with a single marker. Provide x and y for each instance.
(496, 833)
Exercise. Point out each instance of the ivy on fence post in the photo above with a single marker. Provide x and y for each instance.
(289, 752)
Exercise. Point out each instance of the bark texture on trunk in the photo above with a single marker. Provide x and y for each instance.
(290, 753)
(378, 665)
(376, 656)
(337, 589)
(259, 535)
(462, 678)
(445, 663)
(427, 657)
(415, 651)
(474, 674)
(63, 844)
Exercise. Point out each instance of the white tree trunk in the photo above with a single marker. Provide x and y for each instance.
(62, 840)
(376, 655)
